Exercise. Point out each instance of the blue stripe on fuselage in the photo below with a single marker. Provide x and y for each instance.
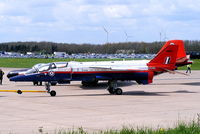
(109, 76)
(78, 76)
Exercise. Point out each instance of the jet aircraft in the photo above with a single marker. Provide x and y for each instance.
(171, 55)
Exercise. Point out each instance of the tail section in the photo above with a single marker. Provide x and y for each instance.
(181, 59)
(181, 50)
(165, 59)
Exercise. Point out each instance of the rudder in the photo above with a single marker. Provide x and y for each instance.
(166, 58)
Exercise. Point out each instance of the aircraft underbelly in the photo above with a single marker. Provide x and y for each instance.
(111, 76)
(142, 76)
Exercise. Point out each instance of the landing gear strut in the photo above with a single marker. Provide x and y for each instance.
(113, 89)
(47, 87)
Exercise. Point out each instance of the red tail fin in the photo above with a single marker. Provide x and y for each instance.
(166, 58)
(181, 59)
(181, 50)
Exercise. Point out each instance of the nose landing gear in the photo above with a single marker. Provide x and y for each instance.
(47, 87)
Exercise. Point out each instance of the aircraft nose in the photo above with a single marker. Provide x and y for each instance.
(11, 74)
(33, 77)
(17, 78)
(23, 78)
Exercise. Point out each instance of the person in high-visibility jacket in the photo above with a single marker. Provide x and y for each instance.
(188, 68)
(1, 76)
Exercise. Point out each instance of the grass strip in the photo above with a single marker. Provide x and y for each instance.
(181, 128)
(29, 62)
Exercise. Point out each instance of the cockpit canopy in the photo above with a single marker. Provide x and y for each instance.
(41, 67)
(46, 67)
(61, 64)
(53, 65)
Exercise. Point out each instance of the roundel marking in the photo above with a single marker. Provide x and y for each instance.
(51, 73)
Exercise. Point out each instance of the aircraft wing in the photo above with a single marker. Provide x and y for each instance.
(122, 68)
(100, 67)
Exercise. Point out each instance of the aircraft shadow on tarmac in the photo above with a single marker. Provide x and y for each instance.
(144, 93)
(128, 93)
(134, 93)
(192, 84)
(100, 85)
(104, 85)
(188, 83)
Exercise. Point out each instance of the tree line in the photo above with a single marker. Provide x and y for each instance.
(109, 48)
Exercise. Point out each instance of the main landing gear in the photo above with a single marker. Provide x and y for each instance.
(113, 89)
(47, 87)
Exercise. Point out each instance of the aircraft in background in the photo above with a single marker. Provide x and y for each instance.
(171, 55)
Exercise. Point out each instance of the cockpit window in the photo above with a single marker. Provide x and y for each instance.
(38, 65)
(52, 66)
(61, 64)
(30, 71)
(45, 67)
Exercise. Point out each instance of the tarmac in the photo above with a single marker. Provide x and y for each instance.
(171, 98)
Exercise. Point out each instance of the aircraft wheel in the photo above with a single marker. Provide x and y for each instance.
(118, 91)
(35, 83)
(139, 82)
(111, 90)
(53, 93)
(19, 91)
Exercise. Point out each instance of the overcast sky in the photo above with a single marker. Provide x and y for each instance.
(83, 21)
